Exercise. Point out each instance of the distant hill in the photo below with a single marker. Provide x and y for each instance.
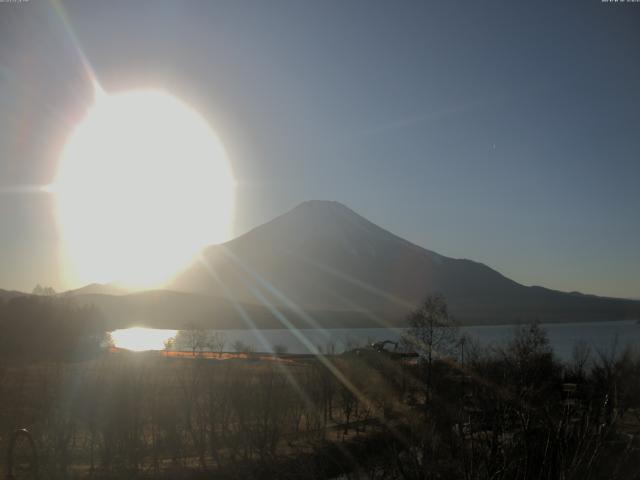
(98, 288)
(178, 310)
(6, 295)
(322, 256)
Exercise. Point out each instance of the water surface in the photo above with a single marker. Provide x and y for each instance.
(601, 336)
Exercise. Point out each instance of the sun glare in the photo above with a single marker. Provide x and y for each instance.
(140, 339)
(142, 185)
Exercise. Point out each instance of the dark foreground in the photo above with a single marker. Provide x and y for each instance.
(508, 413)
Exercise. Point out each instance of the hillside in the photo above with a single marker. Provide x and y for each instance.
(323, 256)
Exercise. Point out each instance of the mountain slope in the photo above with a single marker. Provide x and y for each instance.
(7, 295)
(323, 256)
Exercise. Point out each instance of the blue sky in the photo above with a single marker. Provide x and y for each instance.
(504, 132)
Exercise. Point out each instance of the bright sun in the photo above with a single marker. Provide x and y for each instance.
(142, 185)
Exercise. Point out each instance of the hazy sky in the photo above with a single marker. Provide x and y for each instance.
(497, 131)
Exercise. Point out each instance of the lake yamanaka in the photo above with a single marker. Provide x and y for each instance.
(601, 336)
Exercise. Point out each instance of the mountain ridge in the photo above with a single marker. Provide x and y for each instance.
(322, 254)
(323, 265)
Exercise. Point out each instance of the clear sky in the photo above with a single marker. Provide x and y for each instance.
(505, 132)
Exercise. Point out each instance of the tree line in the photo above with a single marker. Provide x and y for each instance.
(38, 328)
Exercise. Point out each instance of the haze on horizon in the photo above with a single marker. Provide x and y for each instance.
(500, 132)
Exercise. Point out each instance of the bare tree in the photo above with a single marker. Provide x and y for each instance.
(580, 359)
(169, 344)
(431, 331)
(241, 347)
(195, 339)
(280, 349)
(217, 342)
(43, 291)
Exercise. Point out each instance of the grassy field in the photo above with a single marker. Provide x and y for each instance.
(153, 413)
(507, 413)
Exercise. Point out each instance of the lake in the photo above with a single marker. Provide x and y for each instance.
(602, 336)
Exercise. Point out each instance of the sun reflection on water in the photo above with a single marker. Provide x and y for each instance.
(139, 339)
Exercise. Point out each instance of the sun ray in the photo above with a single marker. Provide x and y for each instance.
(61, 13)
(365, 286)
(249, 322)
(274, 291)
(324, 360)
